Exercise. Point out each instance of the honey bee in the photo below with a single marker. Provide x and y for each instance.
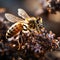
(25, 22)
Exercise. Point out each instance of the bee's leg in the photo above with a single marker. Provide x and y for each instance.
(17, 39)
(37, 27)
(20, 41)
(18, 45)
(40, 22)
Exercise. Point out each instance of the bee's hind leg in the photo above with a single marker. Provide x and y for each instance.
(17, 38)
(20, 41)
(19, 45)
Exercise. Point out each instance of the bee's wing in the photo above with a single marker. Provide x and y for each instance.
(12, 18)
(23, 14)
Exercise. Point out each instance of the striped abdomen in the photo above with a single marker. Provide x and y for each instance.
(14, 29)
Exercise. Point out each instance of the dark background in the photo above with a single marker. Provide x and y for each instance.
(13, 5)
